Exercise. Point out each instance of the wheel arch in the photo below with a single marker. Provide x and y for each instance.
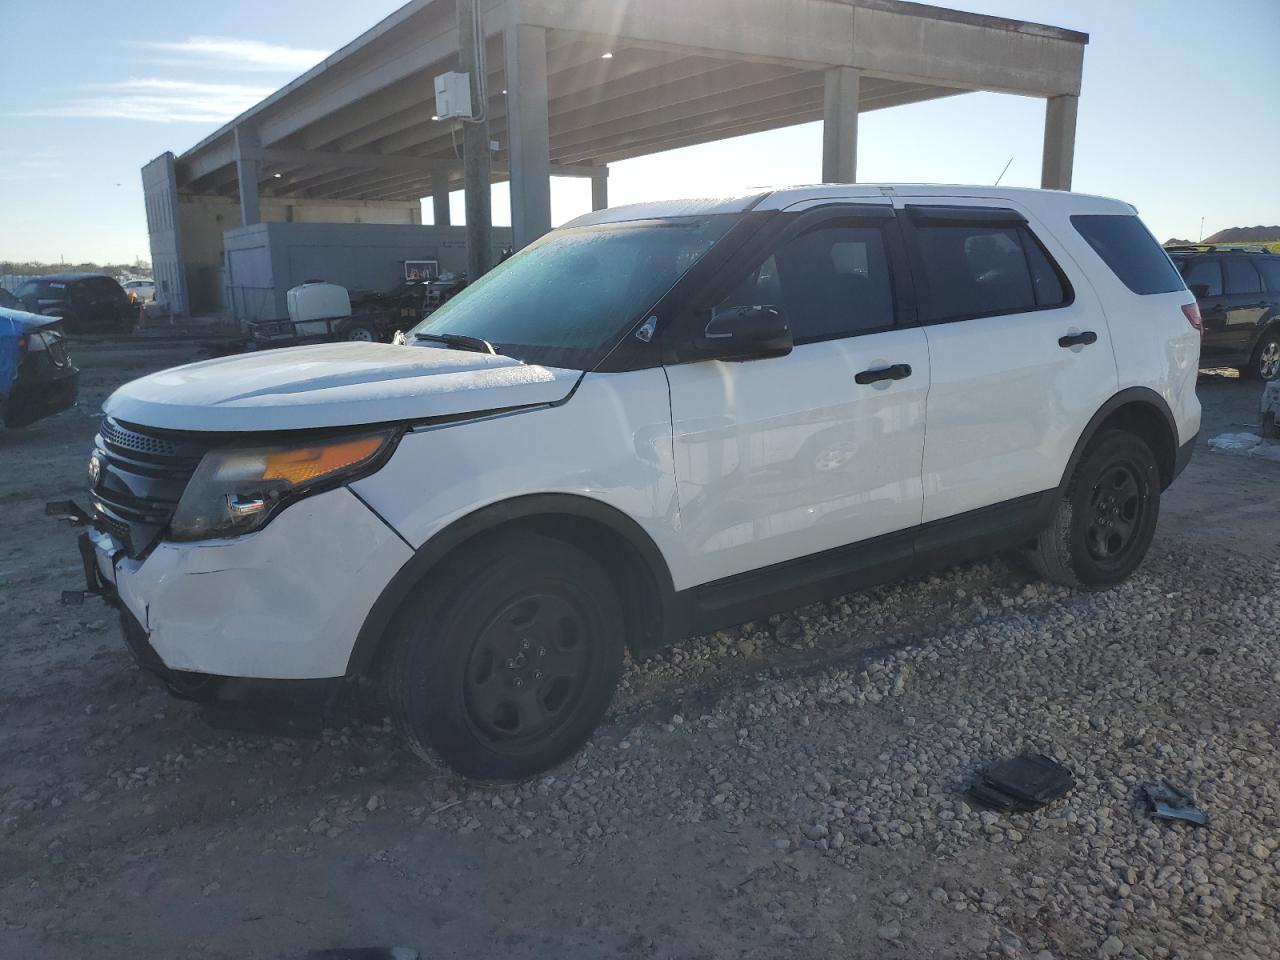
(1141, 411)
(1266, 328)
(621, 546)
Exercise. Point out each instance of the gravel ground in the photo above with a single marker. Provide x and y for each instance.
(789, 788)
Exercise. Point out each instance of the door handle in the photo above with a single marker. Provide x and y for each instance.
(897, 371)
(1078, 339)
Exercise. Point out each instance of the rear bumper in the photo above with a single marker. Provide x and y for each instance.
(33, 398)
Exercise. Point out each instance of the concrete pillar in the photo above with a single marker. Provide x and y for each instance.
(248, 173)
(840, 126)
(600, 189)
(1059, 142)
(530, 141)
(440, 199)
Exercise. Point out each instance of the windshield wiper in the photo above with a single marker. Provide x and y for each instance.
(458, 341)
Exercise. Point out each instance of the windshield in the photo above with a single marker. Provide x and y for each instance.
(566, 299)
(42, 290)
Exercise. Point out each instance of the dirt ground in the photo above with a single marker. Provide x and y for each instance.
(703, 820)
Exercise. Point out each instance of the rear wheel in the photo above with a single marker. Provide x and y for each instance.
(359, 333)
(1266, 358)
(506, 663)
(1104, 524)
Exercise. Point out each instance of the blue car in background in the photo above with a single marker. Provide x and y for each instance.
(37, 377)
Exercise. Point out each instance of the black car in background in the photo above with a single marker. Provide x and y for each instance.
(86, 302)
(1238, 291)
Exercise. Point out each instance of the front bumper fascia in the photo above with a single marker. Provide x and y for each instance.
(283, 603)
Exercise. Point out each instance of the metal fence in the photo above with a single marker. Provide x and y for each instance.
(12, 281)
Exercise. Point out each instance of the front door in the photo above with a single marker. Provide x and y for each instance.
(1245, 304)
(790, 456)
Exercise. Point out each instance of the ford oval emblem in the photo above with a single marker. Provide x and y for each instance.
(95, 471)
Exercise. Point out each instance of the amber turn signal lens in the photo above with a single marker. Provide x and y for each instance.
(308, 464)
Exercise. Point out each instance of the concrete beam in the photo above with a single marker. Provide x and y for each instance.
(327, 159)
(1059, 142)
(530, 147)
(248, 173)
(908, 42)
(808, 33)
(840, 106)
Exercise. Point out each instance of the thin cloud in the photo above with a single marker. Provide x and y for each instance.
(158, 100)
(26, 165)
(233, 53)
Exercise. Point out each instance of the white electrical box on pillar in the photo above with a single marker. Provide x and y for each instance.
(453, 96)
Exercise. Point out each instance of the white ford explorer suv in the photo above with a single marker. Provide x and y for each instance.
(654, 422)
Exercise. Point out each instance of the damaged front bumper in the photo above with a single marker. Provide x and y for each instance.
(270, 616)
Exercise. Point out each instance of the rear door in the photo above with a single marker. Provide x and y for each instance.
(108, 304)
(1245, 304)
(1020, 356)
(791, 456)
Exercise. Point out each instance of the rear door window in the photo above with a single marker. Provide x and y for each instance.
(1133, 255)
(985, 269)
(105, 288)
(1241, 277)
(1204, 278)
(832, 281)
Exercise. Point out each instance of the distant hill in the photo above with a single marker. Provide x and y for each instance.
(1245, 235)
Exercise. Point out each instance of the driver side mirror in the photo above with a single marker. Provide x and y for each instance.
(745, 333)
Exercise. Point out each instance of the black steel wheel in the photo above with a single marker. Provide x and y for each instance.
(505, 664)
(1106, 520)
(1116, 504)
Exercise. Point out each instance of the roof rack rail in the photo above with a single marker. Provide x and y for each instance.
(1216, 248)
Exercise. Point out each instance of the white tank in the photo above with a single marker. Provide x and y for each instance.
(313, 303)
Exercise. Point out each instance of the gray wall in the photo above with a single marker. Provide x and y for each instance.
(204, 220)
(160, 192)
(264, 260)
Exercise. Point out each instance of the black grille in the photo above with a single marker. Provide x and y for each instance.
(136, 441)
(141, 476)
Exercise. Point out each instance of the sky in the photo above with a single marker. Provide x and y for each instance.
(1178, 115)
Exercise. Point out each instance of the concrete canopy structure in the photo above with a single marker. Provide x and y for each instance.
(575, 85)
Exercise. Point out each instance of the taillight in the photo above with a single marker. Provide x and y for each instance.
(1192, 312)
(22, 346)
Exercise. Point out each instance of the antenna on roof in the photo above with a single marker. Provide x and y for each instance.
(1003, 172)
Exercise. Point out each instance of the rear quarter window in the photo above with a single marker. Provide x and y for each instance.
(1133, 255)
(1269, 267)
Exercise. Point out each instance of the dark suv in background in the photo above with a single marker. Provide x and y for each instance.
(86, 302)
(1238, 291)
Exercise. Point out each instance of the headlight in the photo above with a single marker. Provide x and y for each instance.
(235, 490)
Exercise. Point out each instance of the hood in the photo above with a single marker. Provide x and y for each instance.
(15, 322)
(334, 385)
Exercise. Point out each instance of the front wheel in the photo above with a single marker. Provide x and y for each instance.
(1104, 524)
(506, 662)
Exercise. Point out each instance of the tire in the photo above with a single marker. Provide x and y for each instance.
(1265, 364)
(522, 632)
(1104, 524)
(359, 333)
